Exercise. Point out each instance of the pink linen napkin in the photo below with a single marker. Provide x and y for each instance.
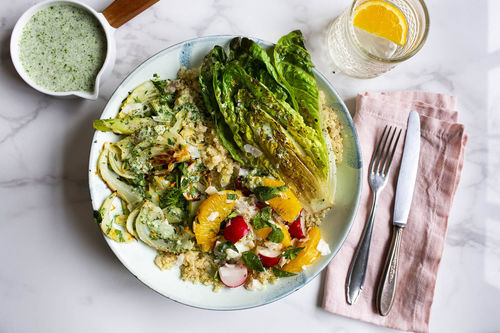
(440, 164)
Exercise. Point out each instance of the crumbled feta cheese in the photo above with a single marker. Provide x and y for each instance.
(252, 150)
(273, 246)
(246, 209)
(255, 285)
(193, 151)
(244, 244)
(180, 259)
(323, 247)
(212, 216)
(243, 172)
(211, 190)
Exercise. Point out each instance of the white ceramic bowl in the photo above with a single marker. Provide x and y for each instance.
(138, 257)
(104, 71)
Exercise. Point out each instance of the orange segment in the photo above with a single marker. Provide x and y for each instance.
(287, 240)
(382, 19)
(286, 204)
(308, 255)
(211, 213)
(264, 232)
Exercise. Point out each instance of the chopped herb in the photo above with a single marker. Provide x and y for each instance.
(193, 191)
(265, 193)
(291, 252)
(276, 235)
(233, 214)
(226, 245)
(97, 217)
(160, 84)
(261, 220)
(231, 196)
(184, 170)
(280, 273)
(172, 196)
(252, 261)
(120, 235)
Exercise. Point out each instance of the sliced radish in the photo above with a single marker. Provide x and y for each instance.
(235, 229)
(233, 275)
(268, 257)
(298, 229)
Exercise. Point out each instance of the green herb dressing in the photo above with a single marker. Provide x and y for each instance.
(62, 48)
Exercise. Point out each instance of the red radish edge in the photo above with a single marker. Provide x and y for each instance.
(233, 275)
(235, 229)
(298, 229)
(268, 257)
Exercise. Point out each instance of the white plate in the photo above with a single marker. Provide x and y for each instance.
(138, 258)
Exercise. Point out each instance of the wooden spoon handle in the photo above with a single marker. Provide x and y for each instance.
(121, 11)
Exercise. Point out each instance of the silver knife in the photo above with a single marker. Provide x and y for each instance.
(402, 204)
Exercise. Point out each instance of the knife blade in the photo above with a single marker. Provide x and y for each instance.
(404, 194)
(407, 171)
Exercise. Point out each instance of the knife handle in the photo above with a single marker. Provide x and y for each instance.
(388, 281)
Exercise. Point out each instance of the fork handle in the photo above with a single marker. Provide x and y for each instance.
(388, 282)
(357, 270)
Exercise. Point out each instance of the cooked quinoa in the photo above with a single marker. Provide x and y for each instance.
(334, 128)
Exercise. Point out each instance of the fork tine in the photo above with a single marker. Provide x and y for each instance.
(375, 154)
(378, 168)
(387, 153)
(393, 151)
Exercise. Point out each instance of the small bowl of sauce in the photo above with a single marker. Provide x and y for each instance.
(63, 48)
(66, 48)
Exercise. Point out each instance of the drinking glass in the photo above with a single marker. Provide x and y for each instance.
(361, 54)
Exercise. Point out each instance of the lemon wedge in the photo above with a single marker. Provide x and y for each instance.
(381, 19)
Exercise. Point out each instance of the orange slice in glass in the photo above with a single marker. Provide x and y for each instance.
(381, 19)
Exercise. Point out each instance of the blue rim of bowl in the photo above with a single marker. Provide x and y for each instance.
(350, 122)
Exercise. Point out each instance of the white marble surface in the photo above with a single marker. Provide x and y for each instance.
(58, 275)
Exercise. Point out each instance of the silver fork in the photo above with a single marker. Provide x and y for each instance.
(380, 165)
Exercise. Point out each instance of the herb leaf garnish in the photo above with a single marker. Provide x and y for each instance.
(262, 218)
(231, 196)
(291, 252)
(252, 261)
(222, 247)
(276, 235)
(230, 216)
(280, 273)
(265, 193)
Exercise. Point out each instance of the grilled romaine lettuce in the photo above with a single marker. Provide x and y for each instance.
(272, 106)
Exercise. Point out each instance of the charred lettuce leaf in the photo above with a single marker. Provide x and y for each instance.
(294, 66)
(268, 102)
(210, 65)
